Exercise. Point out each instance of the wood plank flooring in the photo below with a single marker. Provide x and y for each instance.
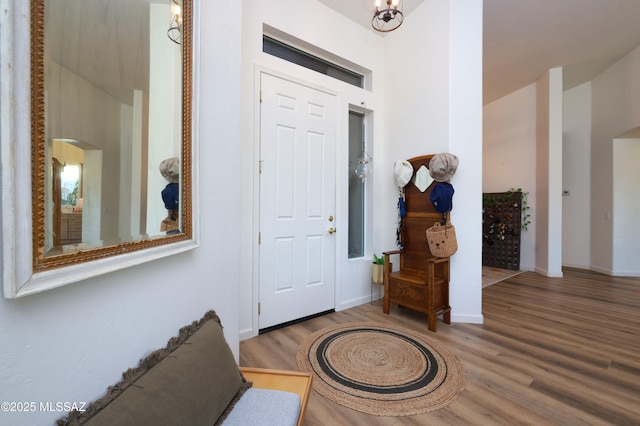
(551, 351)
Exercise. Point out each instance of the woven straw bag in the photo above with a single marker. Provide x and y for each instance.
(442, 240)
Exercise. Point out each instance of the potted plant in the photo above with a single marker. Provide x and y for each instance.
(377, 271)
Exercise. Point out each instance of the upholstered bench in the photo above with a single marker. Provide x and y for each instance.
(194, 381)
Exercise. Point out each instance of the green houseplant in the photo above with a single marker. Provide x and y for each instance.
(377, 271)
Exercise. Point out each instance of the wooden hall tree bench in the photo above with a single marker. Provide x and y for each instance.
(422, 281)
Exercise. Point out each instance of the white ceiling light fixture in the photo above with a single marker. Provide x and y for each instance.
(389, 18)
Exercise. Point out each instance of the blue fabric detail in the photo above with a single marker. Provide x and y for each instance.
(442, 197)
(170, 195)
(402, 207)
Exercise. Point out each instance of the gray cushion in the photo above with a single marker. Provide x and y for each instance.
(265, 407)
(191, 386)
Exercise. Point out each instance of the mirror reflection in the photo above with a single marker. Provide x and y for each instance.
(67, 193)
(422, 179)
(113, 81)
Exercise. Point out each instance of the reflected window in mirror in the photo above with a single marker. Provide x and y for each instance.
(422, 179)
(111, 99)
(71, 188)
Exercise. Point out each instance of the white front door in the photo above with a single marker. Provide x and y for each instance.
(297, 201)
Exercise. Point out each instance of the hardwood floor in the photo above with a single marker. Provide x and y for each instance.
(551, 351)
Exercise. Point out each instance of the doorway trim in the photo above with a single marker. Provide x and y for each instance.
(255, 248)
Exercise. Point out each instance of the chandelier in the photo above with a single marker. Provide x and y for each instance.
(389, 18)
(175, 27)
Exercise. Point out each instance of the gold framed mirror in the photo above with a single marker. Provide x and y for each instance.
(111, 80)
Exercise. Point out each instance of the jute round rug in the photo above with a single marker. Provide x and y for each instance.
(382, 370)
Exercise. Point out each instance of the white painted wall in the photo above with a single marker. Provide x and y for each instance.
(509, 156)
(626, 206)
(576, 178)
(615, 111)
(542, 215)
(70, 343)
(554, 263)
(434, 105)
(548, 215)
(465, 129)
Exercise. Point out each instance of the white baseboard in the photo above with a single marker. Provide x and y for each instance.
(626, 273)
(548, 273)
(576, 266)
(607, 271)
(247, 334)
(467, 319)
(355, 302)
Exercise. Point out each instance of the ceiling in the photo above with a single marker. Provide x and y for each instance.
(524, 38)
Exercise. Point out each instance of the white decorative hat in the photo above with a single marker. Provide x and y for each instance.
(403, 172)
(170, 169)
(443, 166)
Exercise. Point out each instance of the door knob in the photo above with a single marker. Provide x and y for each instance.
(332, 230)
